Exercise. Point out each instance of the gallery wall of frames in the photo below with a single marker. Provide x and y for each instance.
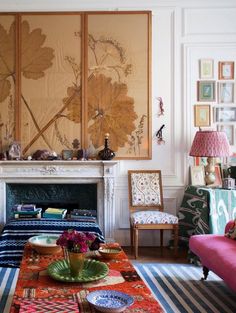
(215, 106)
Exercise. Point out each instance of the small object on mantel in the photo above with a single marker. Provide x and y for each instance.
(106, 153)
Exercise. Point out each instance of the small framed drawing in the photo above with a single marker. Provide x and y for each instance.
(197, 175)
(202, 115)
(225, 114)
(226, 70)
(229, 130)
(206, 90)
(206, 68)
(218, 177)
(226, 92)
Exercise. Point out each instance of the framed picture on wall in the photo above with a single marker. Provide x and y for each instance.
(229, 129)
(226, 92)
(197, 175)
(206, 90)
(202, 115)
(206, 69)
(226, 70)
(225, 114)
(218, 177)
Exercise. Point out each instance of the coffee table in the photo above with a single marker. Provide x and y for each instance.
(34, 283)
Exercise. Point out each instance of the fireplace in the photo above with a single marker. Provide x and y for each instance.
(68, 196)
(75, 184)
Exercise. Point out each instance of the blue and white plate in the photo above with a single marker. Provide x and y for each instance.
(109, 301)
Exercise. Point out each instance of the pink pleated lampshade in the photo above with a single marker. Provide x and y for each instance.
(210, 144)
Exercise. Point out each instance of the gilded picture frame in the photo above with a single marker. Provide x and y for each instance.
(226, 70)
(202, 115)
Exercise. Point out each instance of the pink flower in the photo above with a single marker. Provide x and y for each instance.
(76, 241)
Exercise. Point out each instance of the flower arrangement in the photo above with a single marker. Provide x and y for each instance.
(76, 241)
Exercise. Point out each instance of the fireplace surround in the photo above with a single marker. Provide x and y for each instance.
(71, 173)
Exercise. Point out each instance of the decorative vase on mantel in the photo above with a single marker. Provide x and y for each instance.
(106, 153)
(76, 262)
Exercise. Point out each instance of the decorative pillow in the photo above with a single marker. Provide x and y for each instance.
(145, 189)
(232, 231)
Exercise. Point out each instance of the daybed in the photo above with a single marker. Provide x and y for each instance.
(217, 253)
(16, 233)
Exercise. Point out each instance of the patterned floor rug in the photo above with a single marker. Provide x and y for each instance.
(8, 278)
(178, 288)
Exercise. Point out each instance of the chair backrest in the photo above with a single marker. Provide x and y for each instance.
(145, 190)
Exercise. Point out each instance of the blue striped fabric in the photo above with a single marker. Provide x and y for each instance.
(8, 278)
(178, 288)
(16, 233)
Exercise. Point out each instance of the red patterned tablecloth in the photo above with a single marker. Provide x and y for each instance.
(34, 283)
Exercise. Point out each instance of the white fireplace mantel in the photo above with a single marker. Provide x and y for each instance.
(65, 172)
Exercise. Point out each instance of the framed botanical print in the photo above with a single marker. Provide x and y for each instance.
(226, 92)
(226, 70)
(202, 115)
(197, 175)
(206, 68)
(73, 77)
(225, 114)
(206, 90)
(229, 130)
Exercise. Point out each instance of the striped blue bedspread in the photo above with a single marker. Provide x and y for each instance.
(16, 233)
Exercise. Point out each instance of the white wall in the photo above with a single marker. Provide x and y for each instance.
(183, 32)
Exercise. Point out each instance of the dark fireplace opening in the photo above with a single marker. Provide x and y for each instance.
(68, 196)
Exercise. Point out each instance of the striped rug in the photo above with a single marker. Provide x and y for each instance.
(178, 288)
(8, 278)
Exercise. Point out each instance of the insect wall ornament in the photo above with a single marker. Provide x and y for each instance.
(159, 136)
(161, 106)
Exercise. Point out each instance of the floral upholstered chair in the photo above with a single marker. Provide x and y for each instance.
(146, 207)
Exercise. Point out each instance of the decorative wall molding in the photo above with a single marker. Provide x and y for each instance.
(214, 21)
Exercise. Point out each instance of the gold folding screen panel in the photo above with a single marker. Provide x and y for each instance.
(68, 76)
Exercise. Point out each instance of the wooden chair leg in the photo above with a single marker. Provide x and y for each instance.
(161, 238)
(136, 243)
(176, 234)
(131, 238)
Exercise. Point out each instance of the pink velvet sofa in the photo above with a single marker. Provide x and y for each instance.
(217, 254)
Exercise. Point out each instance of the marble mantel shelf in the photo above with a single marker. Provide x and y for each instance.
(101, 173)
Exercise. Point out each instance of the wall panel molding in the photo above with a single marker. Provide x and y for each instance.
(209, 21)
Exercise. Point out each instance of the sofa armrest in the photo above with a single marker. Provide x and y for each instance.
(229, 225)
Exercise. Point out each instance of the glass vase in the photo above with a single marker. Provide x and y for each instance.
(76, 262)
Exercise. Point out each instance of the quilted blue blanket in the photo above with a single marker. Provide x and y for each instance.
(16, 233)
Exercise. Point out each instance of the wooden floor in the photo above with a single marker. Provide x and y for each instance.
(154, 254)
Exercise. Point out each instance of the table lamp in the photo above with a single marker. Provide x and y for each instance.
(210, 144)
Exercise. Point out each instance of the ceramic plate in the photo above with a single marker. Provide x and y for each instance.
(93, 270)
(44, 240)
(109, 253)
(109, 300)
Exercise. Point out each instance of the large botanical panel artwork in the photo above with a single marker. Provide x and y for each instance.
(7, 80)
(118, 76)
(67, 79)
(50, 69)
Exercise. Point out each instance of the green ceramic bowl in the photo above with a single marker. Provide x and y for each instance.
(93, 270)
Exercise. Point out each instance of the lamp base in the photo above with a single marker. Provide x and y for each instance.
(210, 171)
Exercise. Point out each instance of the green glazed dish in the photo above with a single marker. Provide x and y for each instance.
(93, 270)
